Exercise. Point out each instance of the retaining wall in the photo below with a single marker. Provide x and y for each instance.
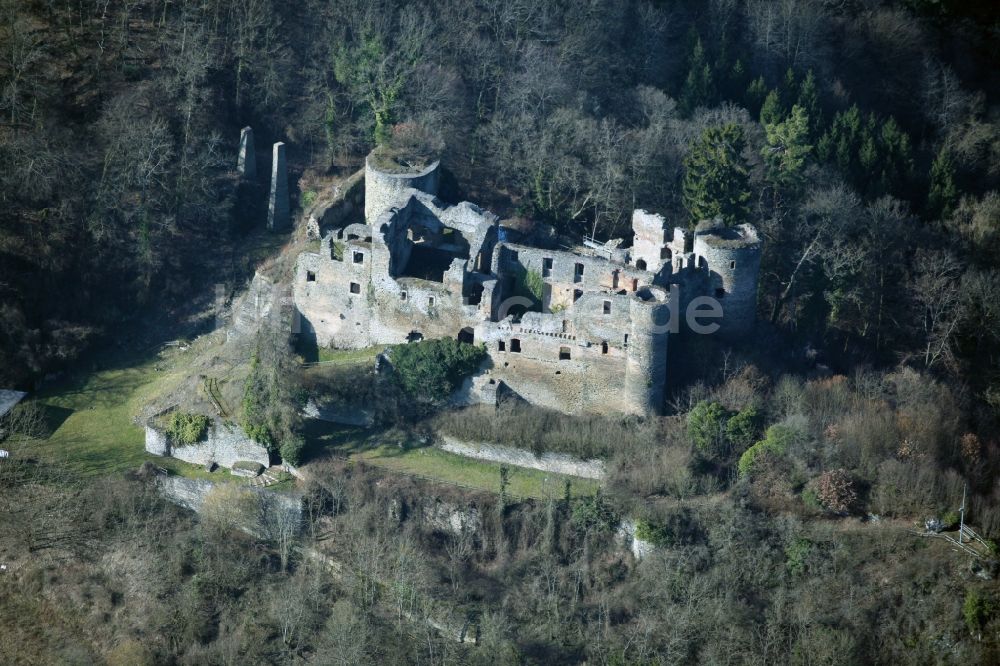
(224, 445)
(276, 510)
(557, 463)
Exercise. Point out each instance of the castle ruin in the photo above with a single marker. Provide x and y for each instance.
(582, 329)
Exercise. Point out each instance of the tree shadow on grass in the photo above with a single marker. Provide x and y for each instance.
(52, 419)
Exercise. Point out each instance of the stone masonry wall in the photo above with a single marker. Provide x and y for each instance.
(557, 463)
(275, 509)
(382, 189)
(224, 445)
(732, 259)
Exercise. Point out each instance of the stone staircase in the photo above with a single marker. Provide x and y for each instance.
(269, 477)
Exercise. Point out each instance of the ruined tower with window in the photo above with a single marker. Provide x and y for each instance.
(578, 330)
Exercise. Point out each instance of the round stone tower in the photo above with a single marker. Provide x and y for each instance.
(385, 181)
(646, 368)
(731, 255)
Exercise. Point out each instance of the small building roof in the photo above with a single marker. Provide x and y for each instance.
(9, 400)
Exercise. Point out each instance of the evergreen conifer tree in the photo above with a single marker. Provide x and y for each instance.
(716, 177)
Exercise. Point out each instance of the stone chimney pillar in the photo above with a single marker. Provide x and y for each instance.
(277, 205)
(247, 164)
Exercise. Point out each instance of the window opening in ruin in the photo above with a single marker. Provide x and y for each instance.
(564, 354)
(720, 292)
(614, 280)
(665, 253)
(359, 257)
(512, 257)
(402, 295)
(430, 301)
(475, 295)
(626, 339)
(732, 264)
(501, 346)
(641, 264)
(467, 335)
(565, 325)
(355, 288)
(546, 266)
(578, 273)
(607, 307)
(310, 276)
(515, 345)
(576, 295)
(414, 336)
(635, 284)
(604, 347)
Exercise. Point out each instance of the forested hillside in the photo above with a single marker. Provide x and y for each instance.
(860, 136)
(783, 492)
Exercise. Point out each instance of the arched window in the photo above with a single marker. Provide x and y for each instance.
(641, 264)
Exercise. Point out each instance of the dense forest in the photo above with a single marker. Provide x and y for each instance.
(861, 137)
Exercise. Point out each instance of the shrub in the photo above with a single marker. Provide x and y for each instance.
(432, 369)
(777, 440)
(658, 535)
(836, 492)
(705, 424)
(307, 199)
(741, 429)
(796, 555)
(187, 428)
(594, 512)
(810, 499)
(530, 285)
(977, 610)
(291, 450)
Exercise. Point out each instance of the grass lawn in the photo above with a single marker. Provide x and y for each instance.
(434, 464)
(89, 416)
(311, 353)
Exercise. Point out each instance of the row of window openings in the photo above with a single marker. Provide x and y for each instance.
(564, 352)
(356, 288)
(359, 258)
(578, 269)
(641, 265)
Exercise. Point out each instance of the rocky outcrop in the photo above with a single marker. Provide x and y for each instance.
(352, 416)
(627, 536)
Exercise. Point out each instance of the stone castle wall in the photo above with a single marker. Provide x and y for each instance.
(731, 258)
(383, 189)
(421, 269)
(223, 445)
(276, 511)
(556, 463)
